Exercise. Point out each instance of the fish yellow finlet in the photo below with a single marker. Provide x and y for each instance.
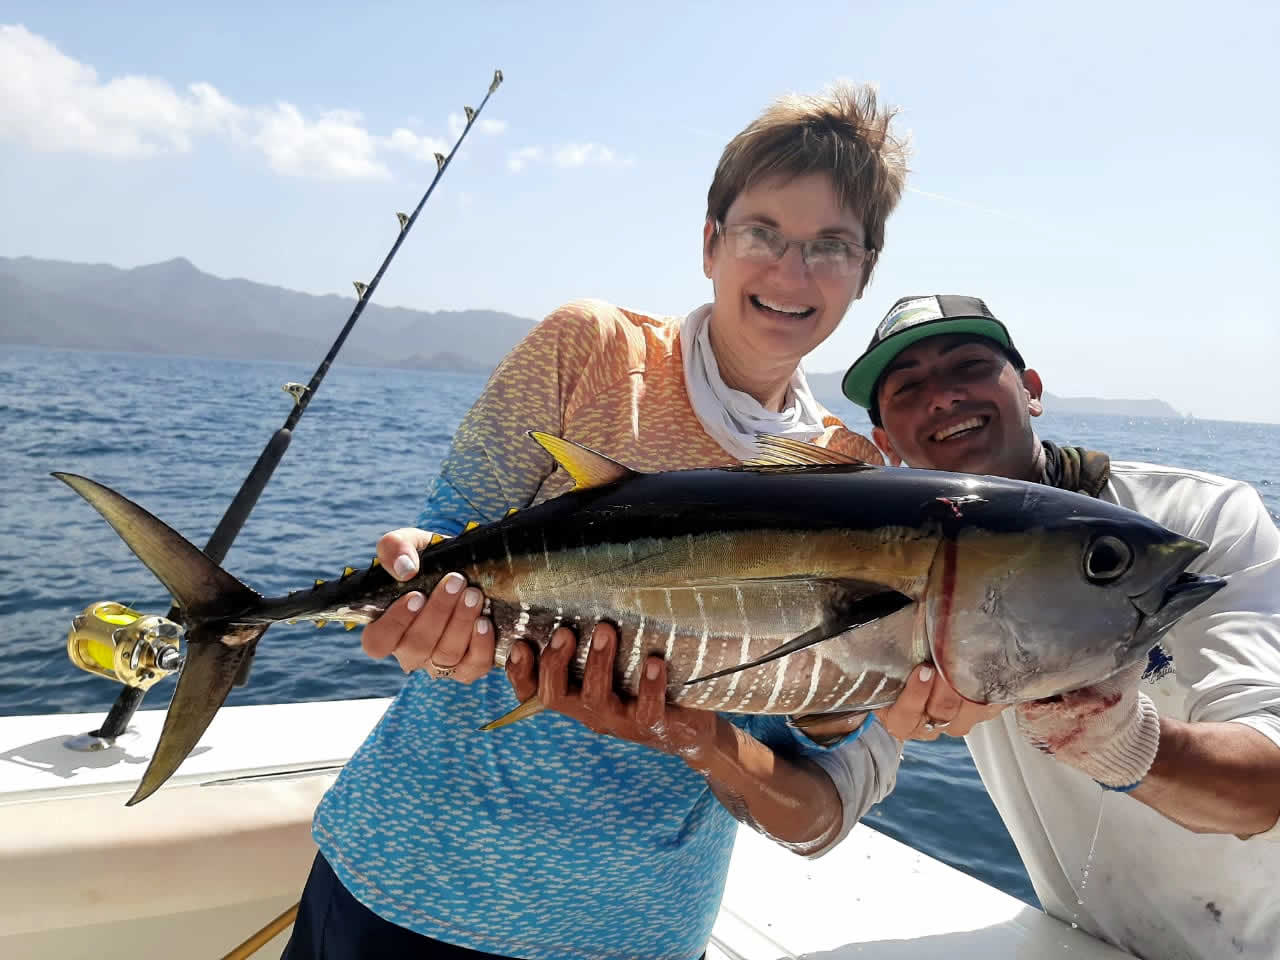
(471, 526)
(321, 623)
(526, 709)
(319, 583)
(350, 624)
(513, 510)
(437, 538)
(376, 563)
(348, 571)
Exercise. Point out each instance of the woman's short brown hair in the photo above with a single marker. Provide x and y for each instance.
(844, 134)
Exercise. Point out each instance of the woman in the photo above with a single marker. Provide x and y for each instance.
(547, 840)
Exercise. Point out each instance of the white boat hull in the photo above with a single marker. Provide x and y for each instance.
(225, 847)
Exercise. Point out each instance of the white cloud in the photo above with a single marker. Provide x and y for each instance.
(582, 154)
(568, 156)
(521, 158)
(334, 147)
(421, 148)
(52, 102)
(458, 123)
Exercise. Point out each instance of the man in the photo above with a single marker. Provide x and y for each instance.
(1176, 772)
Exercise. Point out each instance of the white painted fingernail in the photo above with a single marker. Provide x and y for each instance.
(405, 566)
(471, 598)
(482, 627)
(453, 582)
(926, 674)
(416, 600)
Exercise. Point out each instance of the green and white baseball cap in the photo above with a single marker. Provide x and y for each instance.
(913, 319)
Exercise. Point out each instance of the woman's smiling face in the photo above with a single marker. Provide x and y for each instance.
(781, 310)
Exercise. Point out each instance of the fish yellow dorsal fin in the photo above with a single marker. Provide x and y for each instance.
(588, 468)
(786, 452)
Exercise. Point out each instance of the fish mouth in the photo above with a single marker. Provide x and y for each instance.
(1163, 606)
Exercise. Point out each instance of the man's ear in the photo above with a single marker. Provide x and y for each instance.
(881, 439)
(708, 239)
(1035, 391)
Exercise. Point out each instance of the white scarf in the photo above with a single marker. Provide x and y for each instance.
(731, 417)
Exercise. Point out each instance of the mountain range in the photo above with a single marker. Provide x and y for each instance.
(175, 308)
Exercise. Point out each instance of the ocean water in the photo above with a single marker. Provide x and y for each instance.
(179, 434)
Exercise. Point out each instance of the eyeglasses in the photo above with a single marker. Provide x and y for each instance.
(823, 255)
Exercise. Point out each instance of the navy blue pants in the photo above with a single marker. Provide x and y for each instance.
(334, 925)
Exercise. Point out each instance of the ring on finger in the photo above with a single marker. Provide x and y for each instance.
(440, 672)
(931, 724)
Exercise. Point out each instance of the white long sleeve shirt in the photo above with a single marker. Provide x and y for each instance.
(1155, 888)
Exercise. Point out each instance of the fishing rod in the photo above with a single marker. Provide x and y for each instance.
(113, 641)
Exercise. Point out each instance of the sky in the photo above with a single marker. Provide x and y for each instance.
(1104, 175)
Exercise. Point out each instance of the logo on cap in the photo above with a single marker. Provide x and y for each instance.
(908, 313)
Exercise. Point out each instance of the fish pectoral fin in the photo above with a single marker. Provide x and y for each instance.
(859, 611)
(588, 468)
(525, 709)
(774, 451)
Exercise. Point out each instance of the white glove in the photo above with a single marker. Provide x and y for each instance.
(1109, 731)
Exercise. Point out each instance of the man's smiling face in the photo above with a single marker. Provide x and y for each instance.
(955, 402)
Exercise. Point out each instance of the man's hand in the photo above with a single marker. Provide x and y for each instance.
(1110, 731)
(647, 719)
(443, 632)
(792, 801)
(928, 707)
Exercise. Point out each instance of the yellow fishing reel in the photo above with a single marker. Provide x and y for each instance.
(121, 644)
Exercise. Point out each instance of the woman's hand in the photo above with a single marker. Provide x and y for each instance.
(443, 632)
(928, 707)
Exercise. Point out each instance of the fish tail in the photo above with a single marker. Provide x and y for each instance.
(210, 599)
(199, 586)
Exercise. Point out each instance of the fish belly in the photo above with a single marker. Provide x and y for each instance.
(700, 630)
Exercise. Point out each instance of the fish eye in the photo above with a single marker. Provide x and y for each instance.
(1107, 559)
